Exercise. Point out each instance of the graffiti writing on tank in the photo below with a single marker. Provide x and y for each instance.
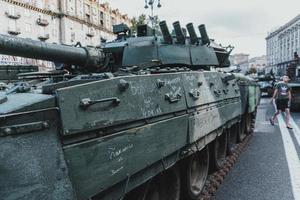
(173, 83)
(115, 153)
(142, 88)
(148, 102)
(115, 171)
(151, 112)
(190, 78)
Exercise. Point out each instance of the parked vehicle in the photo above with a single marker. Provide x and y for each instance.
(266, 84)
(292, 69)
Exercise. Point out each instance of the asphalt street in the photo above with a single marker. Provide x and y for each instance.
(269, 168)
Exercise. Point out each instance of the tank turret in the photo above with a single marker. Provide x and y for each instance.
(125, 51)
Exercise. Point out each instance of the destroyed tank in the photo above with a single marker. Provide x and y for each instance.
(136, 118)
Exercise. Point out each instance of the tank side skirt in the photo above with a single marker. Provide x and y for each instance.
(76, 154)
(32, 160)
(118, 190)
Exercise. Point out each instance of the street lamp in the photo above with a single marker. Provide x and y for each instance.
(151, 4)
(146, 5)
(159, 5)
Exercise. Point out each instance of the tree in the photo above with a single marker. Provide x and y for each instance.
(155, 24)
(142, 19)
(135, 21)
(253, 70)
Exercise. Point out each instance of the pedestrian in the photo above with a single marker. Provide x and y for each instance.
(282, 96)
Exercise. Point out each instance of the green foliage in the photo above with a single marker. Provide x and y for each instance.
(155, 24)
(143, 19)
(252, 70)
(138, 21)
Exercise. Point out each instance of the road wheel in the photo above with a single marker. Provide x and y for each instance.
(248, 122)
(219, 151)
(163, 187)
(232, 134)
(253, 116)
(195, 172)
(242, 129)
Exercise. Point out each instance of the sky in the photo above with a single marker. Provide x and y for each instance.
(241, 23)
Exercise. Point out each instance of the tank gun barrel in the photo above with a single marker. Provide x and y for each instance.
(204, 37)
(192, 33)
(28, 48)
(165, 31)
(179, 33)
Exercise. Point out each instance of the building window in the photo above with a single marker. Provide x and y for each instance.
(87, 9)
(113, 21)
(73, 38)
(27, 13)
(12, 24)
(94, 12)
(101, 18)
(28, 28)
(87, 17)
(54, 32)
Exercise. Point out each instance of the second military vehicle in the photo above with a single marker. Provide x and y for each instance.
(292, 69)
(266, 84)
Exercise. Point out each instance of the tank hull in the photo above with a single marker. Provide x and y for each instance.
(106, 149)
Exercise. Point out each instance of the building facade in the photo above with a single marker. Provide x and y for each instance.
(283, 42)
(258, 63)
(59, 21)
(241, 60)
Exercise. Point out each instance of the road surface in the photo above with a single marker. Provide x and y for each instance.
(270, 166)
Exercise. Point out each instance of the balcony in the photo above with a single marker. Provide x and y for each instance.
(12, 15)
(42, 22)
(14, 31)
(44, 37)
(90, 33)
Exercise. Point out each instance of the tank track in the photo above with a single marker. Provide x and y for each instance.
(214, 180)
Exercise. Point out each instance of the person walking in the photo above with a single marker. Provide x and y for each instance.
(282, 96)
